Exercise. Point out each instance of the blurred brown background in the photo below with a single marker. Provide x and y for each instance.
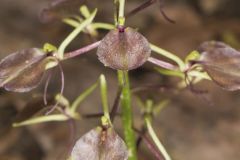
(191, 127)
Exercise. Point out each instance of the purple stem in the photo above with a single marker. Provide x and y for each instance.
(141, 7)
(62, 88)
(46, 88)
(162, 64)
(149, 3)
(149, 144)
(115, 105)
(163, 13)
(81, 50)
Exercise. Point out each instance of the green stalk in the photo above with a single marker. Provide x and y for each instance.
(168, 55)
(42, 119)
(127, 118)
(121, 18)
(156, 140)
(116, 12)
(82, 97)
(74, 34)
(104, 94)
(121, 8)
(124, 83)
(96, 25)
(106, 26)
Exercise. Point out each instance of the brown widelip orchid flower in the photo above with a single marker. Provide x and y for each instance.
(222, 63)
(100, 144)
(22, 71)
(123, 49)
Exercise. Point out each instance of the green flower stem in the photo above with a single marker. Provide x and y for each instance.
(121, 18)
(168, 55)
(121, 8)
(170, 72)
(104, 94)
(156, 140)
(49, 118)
(123, 81)
(127, 118)
(116, 11)
(96, 25)
(74, 34)
(82, 97)
(106, 26)
(71, 22)
(196, 74)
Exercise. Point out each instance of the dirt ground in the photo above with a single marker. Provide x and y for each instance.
(191, 127)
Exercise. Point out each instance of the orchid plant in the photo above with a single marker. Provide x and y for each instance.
(122, 49)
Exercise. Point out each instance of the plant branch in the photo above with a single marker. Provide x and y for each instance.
(104, 96)
(149, 144)
(156, 140)
(82, 50)
(99, 25)
(121, 18)
(41, 119)
(82, 97)
(127, 114)
(74, 34)
(121, 8)
(168, 55)
(115, 105)
(141, 7)
(96, 25)
(162, 64)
